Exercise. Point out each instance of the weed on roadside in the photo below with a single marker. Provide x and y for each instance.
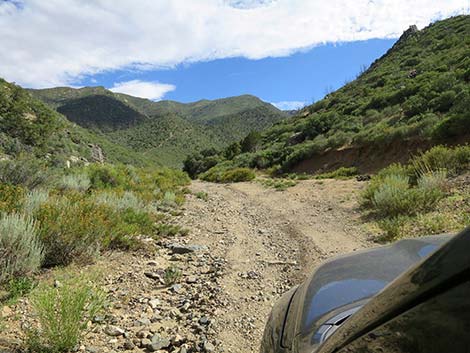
(202, 195)
(172, 275)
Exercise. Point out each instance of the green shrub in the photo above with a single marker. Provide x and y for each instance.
(75, 182)
(103, 176)
(21, 252)
(72, 230)
(222, 175)
(238, 175)
(453, 160)
(393, 227)
(202, 195)
(19, 287)
(26, 172)
(340, 173)
(11, 198)
(172, 275)
(63, 313)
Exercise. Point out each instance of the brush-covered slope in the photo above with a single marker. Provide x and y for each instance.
(165, 131)
(416, 95)
(29, 127)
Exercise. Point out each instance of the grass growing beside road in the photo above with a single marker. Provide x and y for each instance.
(63, 312)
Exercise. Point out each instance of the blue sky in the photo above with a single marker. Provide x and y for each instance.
(280, 50)
(301, 77)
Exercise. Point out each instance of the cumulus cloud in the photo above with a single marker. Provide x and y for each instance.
(289, 105)
(143, 89)
(55, 42)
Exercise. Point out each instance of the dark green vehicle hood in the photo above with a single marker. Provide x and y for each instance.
(346, 283)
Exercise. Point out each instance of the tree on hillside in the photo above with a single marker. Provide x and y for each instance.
(251, 142)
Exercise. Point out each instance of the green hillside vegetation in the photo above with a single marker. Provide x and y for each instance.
(418, 91)
(166, 131)
(53, 215)
(107, 113)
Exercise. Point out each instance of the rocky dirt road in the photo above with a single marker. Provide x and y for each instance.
(269, 241)
(246, 246)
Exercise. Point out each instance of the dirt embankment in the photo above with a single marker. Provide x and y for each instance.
(247, 246)
(370, 159)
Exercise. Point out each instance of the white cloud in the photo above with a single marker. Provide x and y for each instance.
(289, 105)
(143, 89)
(54, 42)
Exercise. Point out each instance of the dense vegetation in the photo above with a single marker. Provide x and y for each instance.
(418, 91)
(164, 131)
(426, 196)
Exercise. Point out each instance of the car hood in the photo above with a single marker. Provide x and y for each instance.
(346, 283)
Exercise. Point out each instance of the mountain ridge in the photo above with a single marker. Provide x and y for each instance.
(166, 130)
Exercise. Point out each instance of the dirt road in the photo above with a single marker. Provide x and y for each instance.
(246, 246)
(270, 240)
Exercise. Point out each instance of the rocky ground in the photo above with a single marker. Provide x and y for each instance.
(247, 246)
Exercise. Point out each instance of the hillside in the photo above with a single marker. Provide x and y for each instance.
(29, 127)
(415, 96)
(165, 131)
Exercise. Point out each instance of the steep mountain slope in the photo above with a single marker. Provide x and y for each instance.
(416, 95)
(29, 127)
(166, 131)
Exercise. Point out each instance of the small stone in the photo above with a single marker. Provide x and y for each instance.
(204, 320)
(143, 322)
(191, 279)
(145, 343)
(186, 249)
(176, 288)
(92, 349)
(158, 342)
(113, 331)
(98, 319)
(154, 303)
(208, 347)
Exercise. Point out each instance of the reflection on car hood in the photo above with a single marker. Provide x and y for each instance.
(357, 277)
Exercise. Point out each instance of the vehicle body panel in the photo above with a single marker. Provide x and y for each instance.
(337, 289)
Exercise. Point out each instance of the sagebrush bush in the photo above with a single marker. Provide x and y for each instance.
(21, 251)
(26, 172)
(33, 200)
(63, 313)
(392, 195)
(127, 200)
(75, 182)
